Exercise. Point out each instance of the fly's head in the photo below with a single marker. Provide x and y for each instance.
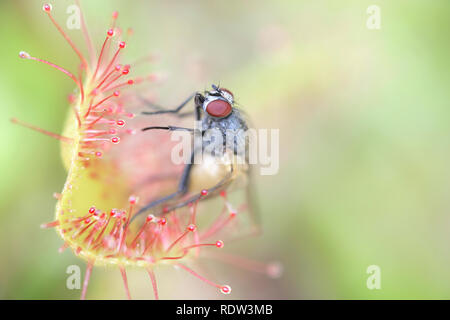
(216, 103)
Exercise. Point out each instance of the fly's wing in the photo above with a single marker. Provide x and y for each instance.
(247, 182)
(238, 181)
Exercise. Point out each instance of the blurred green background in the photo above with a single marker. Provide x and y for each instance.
(364, 126)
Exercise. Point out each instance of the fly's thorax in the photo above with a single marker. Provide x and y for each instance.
(225, 134)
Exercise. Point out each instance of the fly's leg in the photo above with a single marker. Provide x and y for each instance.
(198, 100)
(222, 183)
(154, 106)
(150, 104)
(161, 110)
(169, 128)
(184, 181)
(182, 189)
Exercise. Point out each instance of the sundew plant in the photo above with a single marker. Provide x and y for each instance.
(113, 168)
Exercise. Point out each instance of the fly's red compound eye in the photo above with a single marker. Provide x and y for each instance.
(218, 108)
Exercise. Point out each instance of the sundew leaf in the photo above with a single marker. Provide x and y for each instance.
(99, 184)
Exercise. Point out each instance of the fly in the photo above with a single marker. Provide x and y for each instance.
(215, 110)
